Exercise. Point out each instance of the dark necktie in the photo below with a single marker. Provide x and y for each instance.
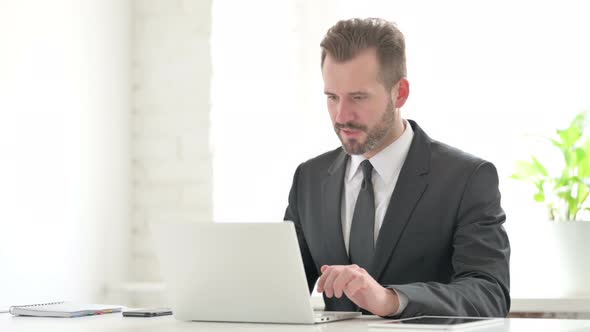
(362, 243)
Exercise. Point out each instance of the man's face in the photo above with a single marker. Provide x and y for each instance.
(362, 111)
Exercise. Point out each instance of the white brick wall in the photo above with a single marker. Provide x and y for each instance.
(171, 161)
(64, 142)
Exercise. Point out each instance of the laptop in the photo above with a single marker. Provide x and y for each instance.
(236, 272)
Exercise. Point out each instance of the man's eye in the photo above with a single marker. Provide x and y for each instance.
(330, 97)
(359, 98)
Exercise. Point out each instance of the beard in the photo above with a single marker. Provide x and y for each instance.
(375, 135)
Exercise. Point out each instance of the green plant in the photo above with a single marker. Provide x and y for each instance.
(565, 194)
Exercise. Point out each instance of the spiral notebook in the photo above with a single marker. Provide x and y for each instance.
(63, 309)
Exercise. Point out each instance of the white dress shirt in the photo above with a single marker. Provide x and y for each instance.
(387, 165)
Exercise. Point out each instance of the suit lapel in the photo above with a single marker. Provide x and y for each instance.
(412, 182)
(332, 188)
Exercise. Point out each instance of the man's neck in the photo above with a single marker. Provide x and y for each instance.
(396, 131)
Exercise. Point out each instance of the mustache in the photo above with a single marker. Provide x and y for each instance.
(350, 125)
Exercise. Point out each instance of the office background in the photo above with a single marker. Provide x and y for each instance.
(114, 114)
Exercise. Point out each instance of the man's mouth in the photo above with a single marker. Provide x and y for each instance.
(348, 132)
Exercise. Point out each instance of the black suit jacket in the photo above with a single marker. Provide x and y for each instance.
(441, 243)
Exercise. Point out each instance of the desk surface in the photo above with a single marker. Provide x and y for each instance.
(579, 305)
(562, 305)
(116, 322)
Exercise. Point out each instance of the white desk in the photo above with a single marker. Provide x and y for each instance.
(116, 322)
(570, 305)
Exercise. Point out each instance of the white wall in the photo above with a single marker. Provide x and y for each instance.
(64, 132)
(171, 161)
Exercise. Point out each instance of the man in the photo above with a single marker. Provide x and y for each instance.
(393, 222)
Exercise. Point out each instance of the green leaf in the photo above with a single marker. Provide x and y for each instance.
(584, 164)
(572, 134)
(556, 143)
(572, 208)
(580, 155)
(583, 193)
(569, 136)
(539, 167)
(525, 171)
(580, 121)
(539, 197)
(562, 182)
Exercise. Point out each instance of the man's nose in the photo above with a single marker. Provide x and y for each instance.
(344, 112)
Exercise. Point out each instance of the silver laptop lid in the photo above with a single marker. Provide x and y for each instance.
(236, 272)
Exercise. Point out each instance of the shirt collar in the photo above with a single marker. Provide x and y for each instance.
(389, 161)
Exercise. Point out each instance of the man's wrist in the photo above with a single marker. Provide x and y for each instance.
(391, 303)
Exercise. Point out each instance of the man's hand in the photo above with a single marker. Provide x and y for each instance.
(358, 285)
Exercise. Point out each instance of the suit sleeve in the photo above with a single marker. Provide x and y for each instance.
(481, 252)
(292, 214)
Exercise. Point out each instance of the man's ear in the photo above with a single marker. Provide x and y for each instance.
(400, 91)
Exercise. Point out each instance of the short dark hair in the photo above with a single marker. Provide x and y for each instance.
(347, 38)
